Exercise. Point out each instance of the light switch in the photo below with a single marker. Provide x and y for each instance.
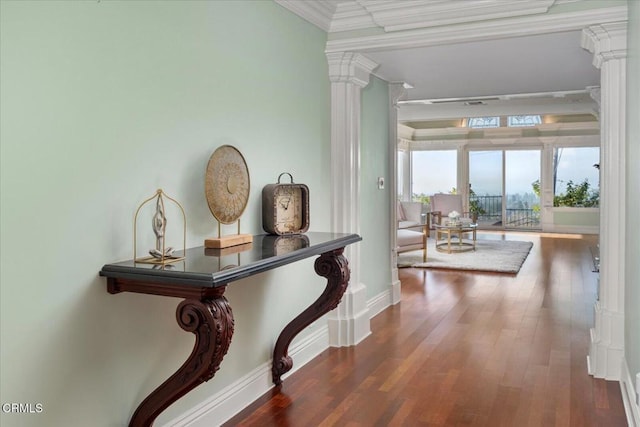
(380, 183)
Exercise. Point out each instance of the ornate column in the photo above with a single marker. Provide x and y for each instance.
(349, 73)
(608, 43)
(396, 92)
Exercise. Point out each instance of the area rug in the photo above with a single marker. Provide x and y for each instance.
(503, 256)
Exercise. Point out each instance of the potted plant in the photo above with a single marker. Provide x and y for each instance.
(474, 207)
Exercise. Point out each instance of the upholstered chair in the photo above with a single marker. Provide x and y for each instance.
(413, 228)
(443, 204)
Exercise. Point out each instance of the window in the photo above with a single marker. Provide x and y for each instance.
(524, 121)
(484, 122)
(433, 172)
(576, 177)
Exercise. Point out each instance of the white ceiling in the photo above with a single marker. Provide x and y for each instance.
(547, 63)
(539, 63)
(533, 62)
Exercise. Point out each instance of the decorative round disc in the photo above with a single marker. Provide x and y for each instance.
(226, 184)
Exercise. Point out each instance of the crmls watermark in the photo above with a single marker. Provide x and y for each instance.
(22, 408)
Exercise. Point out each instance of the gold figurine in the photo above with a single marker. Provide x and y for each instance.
(161, 254)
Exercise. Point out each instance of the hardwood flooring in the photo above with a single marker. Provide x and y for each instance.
(464, 349)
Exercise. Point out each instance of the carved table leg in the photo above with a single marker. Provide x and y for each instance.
(334, 266)
(211, 320)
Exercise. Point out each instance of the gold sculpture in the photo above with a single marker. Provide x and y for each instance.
(161, 254)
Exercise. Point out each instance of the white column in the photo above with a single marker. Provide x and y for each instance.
(608, 43)
(546, 184)
(349, 73)
(396, 91)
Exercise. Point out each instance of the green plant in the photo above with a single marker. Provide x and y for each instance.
(536, 190)
(578, 195)
(423, 198)
(474, 205)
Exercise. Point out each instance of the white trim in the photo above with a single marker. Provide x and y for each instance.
(406, 15)
(404, 133)
(485, 30)
(349, 322)
(350, 16)
(608, 41)
(608, 44)
(607, 340)
(507, 143)
(349, 73)
(317, 12)
(396, 92)
(379, 303)
(630, 395)
(237, 396)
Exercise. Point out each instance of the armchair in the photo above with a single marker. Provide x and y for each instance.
(442, 204)
(413, 228)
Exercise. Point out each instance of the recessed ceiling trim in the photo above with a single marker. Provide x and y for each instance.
(472, 100)
(350, 16)
(478, 31)
(318, 12)
(407, 15)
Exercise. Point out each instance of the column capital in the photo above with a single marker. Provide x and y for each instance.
(350, 67)
(596, 94)
(605, 41)
(396, 92)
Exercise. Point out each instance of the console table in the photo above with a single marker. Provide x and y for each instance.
(202, 278)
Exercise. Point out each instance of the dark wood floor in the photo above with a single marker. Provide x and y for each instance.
(474, 349)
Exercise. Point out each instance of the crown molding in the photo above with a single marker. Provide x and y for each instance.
(485, 30)
(417, 144)
(317, 12)
(405, 132)
(350, 16)
(606, 41)
(413, 14)
(349, 67)
(581, 129)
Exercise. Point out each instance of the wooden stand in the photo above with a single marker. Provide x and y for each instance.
(227, 241)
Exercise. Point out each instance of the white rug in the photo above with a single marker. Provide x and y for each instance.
(504, 256)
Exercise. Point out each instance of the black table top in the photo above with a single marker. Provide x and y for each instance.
(216, 267)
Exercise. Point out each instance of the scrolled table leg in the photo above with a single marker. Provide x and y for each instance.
(211, 320)
(335, 267)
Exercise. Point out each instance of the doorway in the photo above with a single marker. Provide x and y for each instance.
(504, 188)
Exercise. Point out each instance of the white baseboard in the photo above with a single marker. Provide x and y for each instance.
(630, 395)
(349, 322)
(232, 399)
(606, 348)
(378, 303)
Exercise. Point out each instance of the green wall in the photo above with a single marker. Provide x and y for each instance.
(375, 252)
(101, 104)
(632, 288)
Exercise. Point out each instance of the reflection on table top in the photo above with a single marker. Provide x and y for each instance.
(216, 267)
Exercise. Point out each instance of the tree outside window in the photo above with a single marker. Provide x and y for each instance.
(576, 178)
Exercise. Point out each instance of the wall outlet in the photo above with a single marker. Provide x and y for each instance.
(380, 183)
